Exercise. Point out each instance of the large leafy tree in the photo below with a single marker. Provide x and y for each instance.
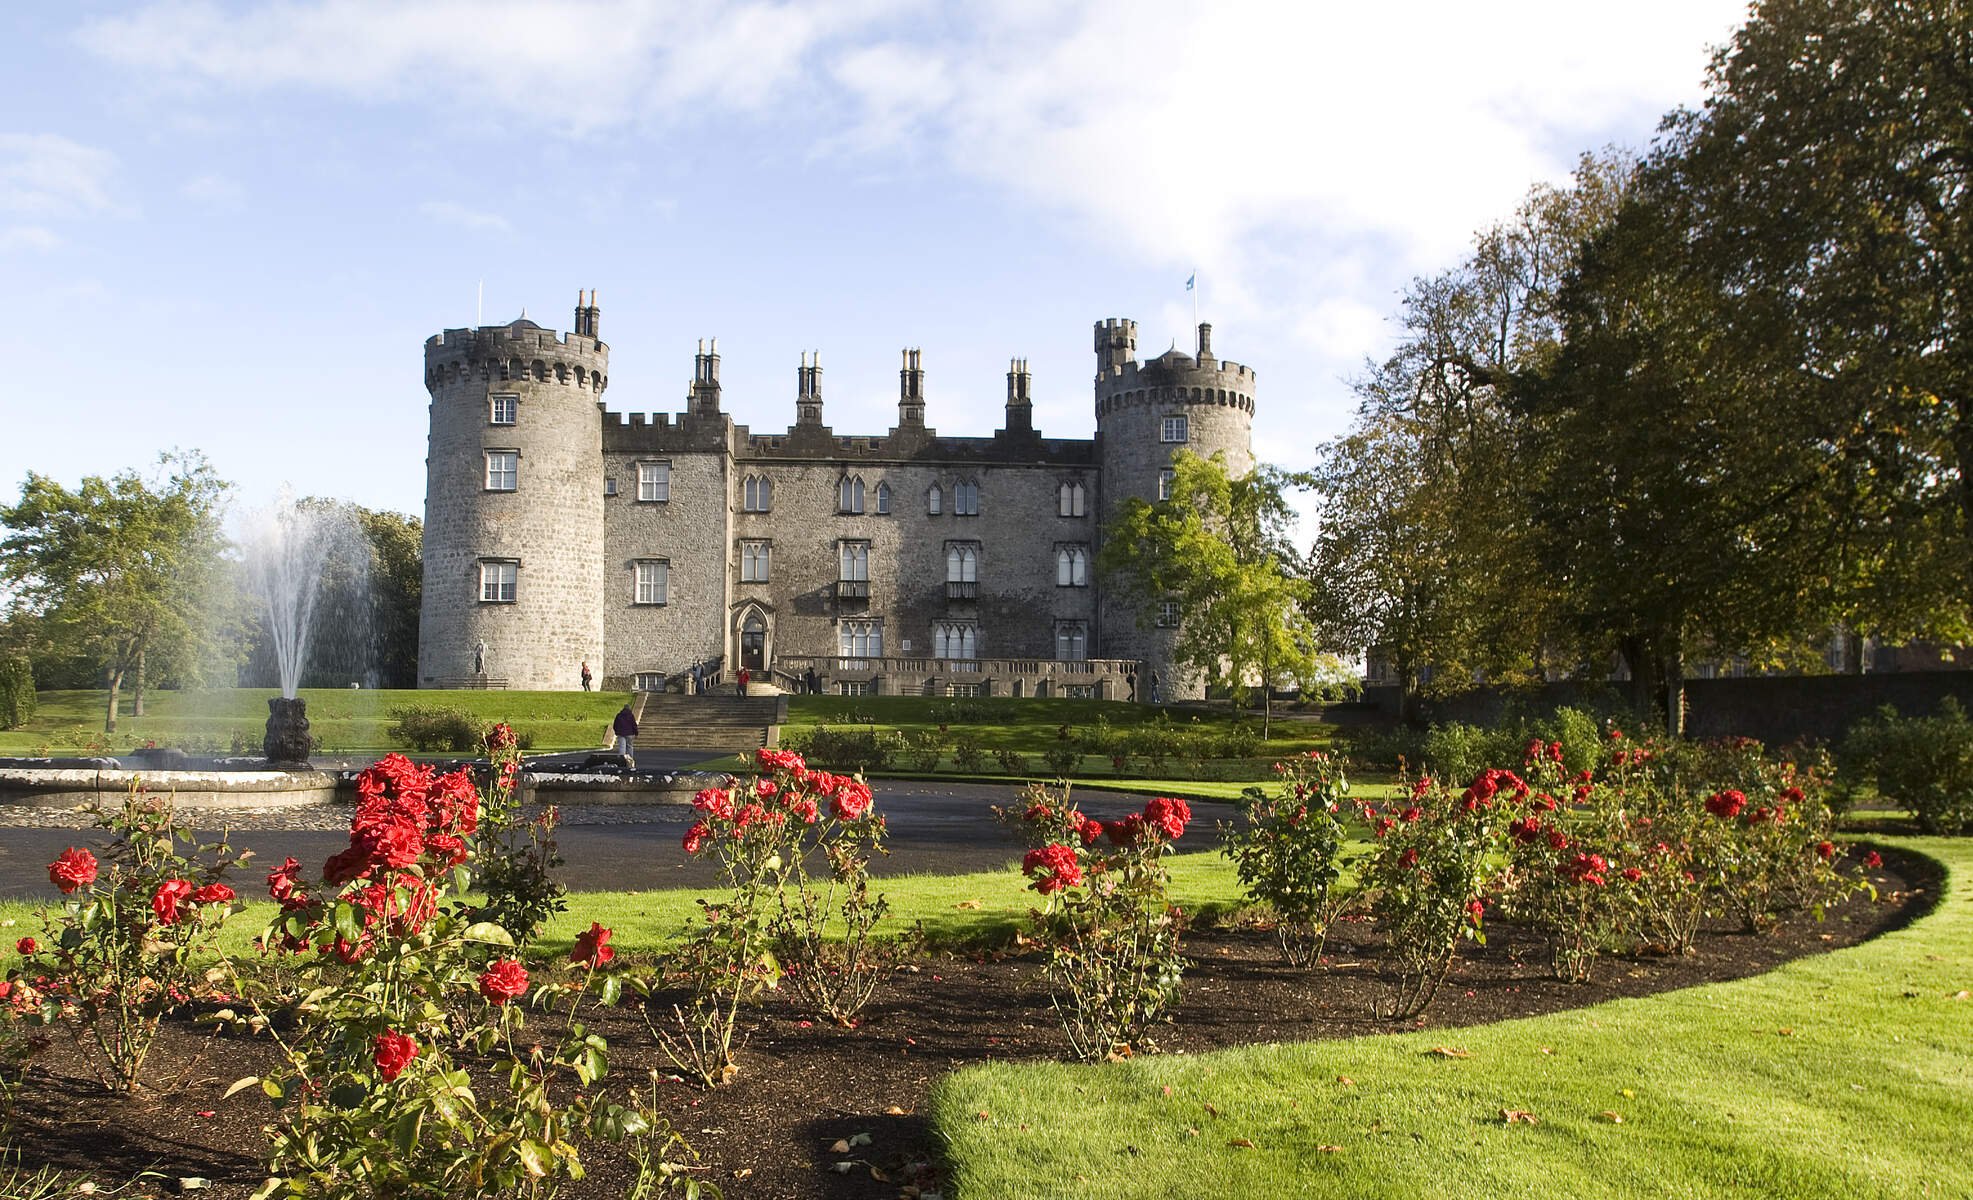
(1219, 544)
(120, 569)
(1423, 552)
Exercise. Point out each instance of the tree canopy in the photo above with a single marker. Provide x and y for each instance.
(1219, 545)
(120, 568)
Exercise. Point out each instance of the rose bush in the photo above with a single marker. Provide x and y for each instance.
(1287, 850)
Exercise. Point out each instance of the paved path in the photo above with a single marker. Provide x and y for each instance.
(934, 828)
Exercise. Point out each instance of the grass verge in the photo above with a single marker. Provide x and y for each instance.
(347, 722)
(1841, 1075)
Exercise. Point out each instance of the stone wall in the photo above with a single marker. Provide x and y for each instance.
(690, 532)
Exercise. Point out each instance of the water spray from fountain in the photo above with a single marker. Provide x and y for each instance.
(290, 548)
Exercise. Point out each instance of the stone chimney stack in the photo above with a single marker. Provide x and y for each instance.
(1205, 343)
(588, 318)
(704, 396)
(808, 389)
(1020, 409)
(911, 390)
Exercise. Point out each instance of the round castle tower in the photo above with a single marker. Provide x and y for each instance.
(1145, 412)
(514, 504)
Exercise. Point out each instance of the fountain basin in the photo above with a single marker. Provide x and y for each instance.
(599, 787)
(70, 783)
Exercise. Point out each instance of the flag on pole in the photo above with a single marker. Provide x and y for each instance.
(1189, 280)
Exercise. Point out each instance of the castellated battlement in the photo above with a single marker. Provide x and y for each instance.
(516, 353)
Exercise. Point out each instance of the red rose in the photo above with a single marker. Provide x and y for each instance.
(806, 809)
(1526, 831)
(1409, 858)
(1726, 805)
(715, 802)
(352, 863)
(393, 1052)
(1632, 874)
(1167, 815)
(1584, 868)
(1411, 814)
(1089, 829)
(1825, 850)
(27, 946)
(850, 801)
(1385, 825)
(504, 980)
(1873, 859)
(1126, 832)
(1054, 867)
(73, 869)
(283, 882)
(592, 947)
(696, 837)
(170, 894)
(213, 893)
(501, 737)
(1557, 840)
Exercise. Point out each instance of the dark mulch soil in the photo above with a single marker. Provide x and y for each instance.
(804, 1084)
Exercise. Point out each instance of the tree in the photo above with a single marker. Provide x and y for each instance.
(118, 570)
(397, 586)
(1423, 550)
(1219, 546)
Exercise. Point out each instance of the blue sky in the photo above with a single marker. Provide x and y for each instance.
(230, 227)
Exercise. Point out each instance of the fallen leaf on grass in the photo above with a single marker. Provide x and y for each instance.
(1518, 1116)
(1450, 1052)
(1166, 1089)
(1211, 1110)
(968, 904)
(1329, 1149)
(1615, 1118)
(1346, 1081)
(983, 1115)
(1962, 995)
(1787, 1031)
(1243, 1144)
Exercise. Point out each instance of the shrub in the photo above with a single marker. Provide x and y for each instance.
(858, 751)
(1287, 851)
(398, 978)
(1428, 874)
(1924, 764)
(765, 836)
(922, 750)
(517, 854)
(16, 692)
(968, 755)
(1063, 757)
(433, 727)
(127, 947)
(1114, 963)
(1013, 762)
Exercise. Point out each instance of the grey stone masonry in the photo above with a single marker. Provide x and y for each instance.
(647, 543)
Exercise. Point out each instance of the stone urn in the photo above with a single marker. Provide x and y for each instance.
(287, 732)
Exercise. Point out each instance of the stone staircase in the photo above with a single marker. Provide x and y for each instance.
(718, 721)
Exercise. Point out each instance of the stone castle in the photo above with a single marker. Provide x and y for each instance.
(558, 533)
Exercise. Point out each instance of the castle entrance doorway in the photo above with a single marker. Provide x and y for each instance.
(753, 643)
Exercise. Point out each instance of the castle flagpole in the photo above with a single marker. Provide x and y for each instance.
(1191, 285)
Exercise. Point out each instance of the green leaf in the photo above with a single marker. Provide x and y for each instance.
(488, 933)
(404, 1135)
(533, 1156)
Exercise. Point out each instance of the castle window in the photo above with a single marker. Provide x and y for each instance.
(956, 639)
(503, 469)
(1069, 500)
(1071, 566)
(653, 581)
(883, 499)
(648, 681)
(497, 580)
(1168, 614)
(609, 485)
(861, 639)
(849, 494)
(754, 561)
(1172, 429)
(962, 562)
(502, 409)
(1071, 641)
(757, 494)
(653, 481)
(855, 560)
(1165, 479)
(965, 499)
(934, 500)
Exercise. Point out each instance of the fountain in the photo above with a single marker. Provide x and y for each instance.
(292, 552)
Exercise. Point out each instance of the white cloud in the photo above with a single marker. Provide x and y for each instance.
(214, 191)
(451, 213)
(46, 175)
(28, 237)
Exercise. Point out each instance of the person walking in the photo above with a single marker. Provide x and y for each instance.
(1157, 689)
(625, 728)
(586, 676)
(745, 677)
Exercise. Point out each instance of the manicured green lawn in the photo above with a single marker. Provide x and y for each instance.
(1841, 1075)
(348, 722)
